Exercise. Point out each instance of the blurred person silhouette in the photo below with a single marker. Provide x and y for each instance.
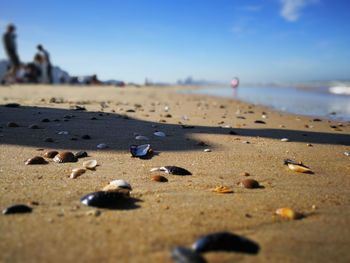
(33, 70)
(47, 70)
(9, 41)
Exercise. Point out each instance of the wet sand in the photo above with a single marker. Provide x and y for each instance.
(175, 213)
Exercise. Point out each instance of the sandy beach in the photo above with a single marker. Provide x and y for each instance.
(177, 212)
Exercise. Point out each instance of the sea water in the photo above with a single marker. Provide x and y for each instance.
(317, 102)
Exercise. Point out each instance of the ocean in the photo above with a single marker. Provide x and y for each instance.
(326, 102)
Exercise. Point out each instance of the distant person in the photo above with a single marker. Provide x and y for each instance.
(9, 41)
(47, 76)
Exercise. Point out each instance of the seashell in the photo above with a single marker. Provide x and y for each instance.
(175, 170)
(260, 122)
(76, 172)
(33, 126)
(102, 146)
(225, 241)
(288, 213)
(45, 120)
(12, 105)
(159, 178)
(141, 138)
(48, 139)
(186, 255)
(159, 134)
(91, 164)
(284, 140)
(63, 133)
(297, 167)
(103, 199)
(207, 150)
(347, 153)
(65, 157)
(81, 154)
(140, 150)
(86, 137)
(16, 209)
(121, 184)
(12, 124)
(114, 188)
(244, 174)
(223, 190)
(36, 160)
(250, 184)
(50, 154)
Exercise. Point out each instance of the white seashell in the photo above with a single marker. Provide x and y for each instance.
(155, 169)
(141, 138)
(63, 133)
(284, 140)
(166, 108)
(185, 118)
(121, 184)
(264, 116)
(207, 150)
(102, 146)
(76, 172)
(226, 126)
(159, 134)
(91, 164)
(347, 153)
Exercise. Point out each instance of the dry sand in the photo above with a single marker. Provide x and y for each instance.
(178, 212)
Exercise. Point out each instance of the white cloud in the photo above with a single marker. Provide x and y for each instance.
(291, 9)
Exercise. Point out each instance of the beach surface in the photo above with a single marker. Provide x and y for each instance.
(178, 212)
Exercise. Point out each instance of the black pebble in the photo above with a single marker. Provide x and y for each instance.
(177, 170)
(103, 199)
(86, 137)
(16, 209)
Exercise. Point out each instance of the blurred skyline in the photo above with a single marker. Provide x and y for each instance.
(256, 40)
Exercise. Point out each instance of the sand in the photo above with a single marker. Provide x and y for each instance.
(176, 213)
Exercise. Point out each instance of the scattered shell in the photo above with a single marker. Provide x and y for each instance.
(297, 167)
(207, 150)
(284, 140)
(33, 126)
(48, 139)
(159, 178)
(225, 241)
(81, 154)
(103, 199)
(36, 160)
(65, 157)
(50, 154)
(288, 213)
(223, 190)
(347, 153)
(16, 209)
(143, 150)
(45, 120)
(244, 174)
(141, 138)
(63, 133)
(260, 122)
(12, 124)
(86, 137)
(76, 172)
(102, 146)
(159, 134)
(186, 255)
(175, 170)
(121, 184)
(250, 184)
(91, 164)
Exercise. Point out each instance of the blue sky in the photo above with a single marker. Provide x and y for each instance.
(164, 40)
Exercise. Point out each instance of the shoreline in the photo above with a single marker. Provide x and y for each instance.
(176, 213)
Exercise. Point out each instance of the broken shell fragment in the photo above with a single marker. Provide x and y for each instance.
(91, 164)
(121, 184)
(65, 157)
(50, 154)
(143, 150)
(186, 255)
(36, 160)
(12, 124)
(103, 199)
(102, 146)
(250, 184)
(347, 153)
(159, 134)
(223, 190)
(297, 166)
(225, 241)
(288, 213)
(141, 138)
(207, 150)
(16, 209)
(159, 178)
(284, 140)
(80, 154)
(76, 172)
(175, 170)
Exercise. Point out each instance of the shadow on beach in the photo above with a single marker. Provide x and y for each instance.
(118, 131)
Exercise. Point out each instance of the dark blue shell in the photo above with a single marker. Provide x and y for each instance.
(225, 241)
(177, 170)
(14, 209)
(185, 255)
(140, 150)
(103, 199)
